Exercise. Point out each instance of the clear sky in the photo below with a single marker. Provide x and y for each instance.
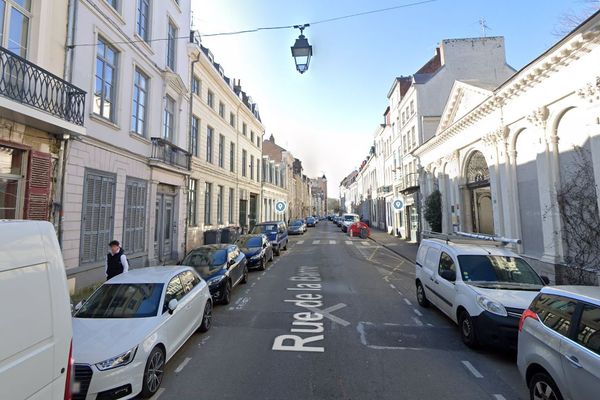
(327, 117)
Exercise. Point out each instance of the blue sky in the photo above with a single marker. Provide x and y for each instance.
(327, 117)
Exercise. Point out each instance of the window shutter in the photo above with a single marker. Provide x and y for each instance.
(37, 192)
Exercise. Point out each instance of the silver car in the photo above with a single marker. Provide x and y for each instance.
(559, 344)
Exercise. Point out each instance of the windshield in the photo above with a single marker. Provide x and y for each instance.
(297, 223)
(481, 269)
(265, 228)
(125, 300)
(206, 261)
(250, 242)
(350, 218)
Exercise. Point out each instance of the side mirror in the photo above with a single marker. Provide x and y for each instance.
(448, 275)
(545, 279)
(79, 305)
(264, 245)
(231, 262)
(172, 305)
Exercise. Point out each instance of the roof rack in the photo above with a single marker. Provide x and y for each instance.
(466, 237)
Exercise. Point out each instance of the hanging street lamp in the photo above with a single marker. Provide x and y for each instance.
(302, 50)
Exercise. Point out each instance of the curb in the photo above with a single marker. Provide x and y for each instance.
(393, 251)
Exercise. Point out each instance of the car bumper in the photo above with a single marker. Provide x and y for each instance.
(118, 383)
(216, 291)
(254, 263)
(497, 331)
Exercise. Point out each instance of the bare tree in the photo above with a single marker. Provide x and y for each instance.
(577, 205)
(571, 19)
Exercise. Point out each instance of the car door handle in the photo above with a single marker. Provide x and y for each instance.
(574, 361)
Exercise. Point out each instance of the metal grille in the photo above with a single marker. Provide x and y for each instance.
(97, 215)
(135, 216)
(83, 377)
(168, 153)
(477, 170)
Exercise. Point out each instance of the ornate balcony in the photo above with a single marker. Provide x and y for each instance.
(409, 183)
(27, 83)
(170, 154)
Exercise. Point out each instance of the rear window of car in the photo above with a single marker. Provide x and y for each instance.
(588, 331)
(554, 311)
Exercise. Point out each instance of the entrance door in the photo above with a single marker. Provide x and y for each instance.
(483, 217)
(253, 210)
(165, 226)
(243, 213)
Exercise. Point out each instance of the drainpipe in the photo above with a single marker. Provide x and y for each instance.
(70, 49)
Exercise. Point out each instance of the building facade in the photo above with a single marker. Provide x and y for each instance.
(318, 187)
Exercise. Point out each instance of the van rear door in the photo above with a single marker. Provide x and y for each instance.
(430, 265)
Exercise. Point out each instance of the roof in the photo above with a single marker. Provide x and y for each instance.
(149, 275)
(585, 293)
(268, 222)
(475, 248)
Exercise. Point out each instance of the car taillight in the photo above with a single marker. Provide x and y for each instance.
(68, 381)
(527, 314)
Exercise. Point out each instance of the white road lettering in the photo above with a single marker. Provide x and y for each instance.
(316, 241)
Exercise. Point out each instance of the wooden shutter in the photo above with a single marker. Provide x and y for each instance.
(39, 183)
(97, 216)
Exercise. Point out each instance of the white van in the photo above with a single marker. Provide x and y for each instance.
(35, 317)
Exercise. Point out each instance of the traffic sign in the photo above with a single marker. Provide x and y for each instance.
(280, 206)
(398, 205)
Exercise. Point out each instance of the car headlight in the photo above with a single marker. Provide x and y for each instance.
(256, 256)
(118, 361)
(215, 280)
(491, 306)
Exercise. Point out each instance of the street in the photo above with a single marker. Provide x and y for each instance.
(376, 341)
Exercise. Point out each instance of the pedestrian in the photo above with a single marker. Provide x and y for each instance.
(116, 261)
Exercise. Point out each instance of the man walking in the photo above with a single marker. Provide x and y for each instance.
(116, 261)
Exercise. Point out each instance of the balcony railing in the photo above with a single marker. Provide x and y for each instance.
(409, 182)
(170, 154)
(27, 83)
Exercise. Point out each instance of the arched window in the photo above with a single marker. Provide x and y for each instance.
(477, 171)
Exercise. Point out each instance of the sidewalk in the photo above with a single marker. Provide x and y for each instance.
(401, 247)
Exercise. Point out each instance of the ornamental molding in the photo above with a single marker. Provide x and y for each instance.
(539, 117)
(591, 91)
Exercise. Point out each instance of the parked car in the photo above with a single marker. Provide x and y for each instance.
(356, 228)
(131, 326)
(35, 350)
(482, 288)
(347, 220)
(297, 227)
(311, 222)
(277, 233)
(257, 249)
(222, 266)
(559, 344)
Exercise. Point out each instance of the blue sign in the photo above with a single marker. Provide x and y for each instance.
(398, 205)
(280, 206)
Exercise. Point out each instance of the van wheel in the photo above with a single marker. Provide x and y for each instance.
(277, 251)
(285, 247)
(153, 373)
(542, 387)
(467, 330)
(206, 317)
(421, 298)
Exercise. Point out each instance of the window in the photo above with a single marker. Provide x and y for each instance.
(174, 291)
(244, 162)
(231, 203)
(196, 86)
(209, 144)
(171, 45)
(207, 203)
(192, 202)
(169, 119)
(210, 99)
(257, 170)
(114, 4)
(555, 312)
(258, 141)
(106, 78)
(11, 177)
(134, 224)
(252, 167)
(232, 157)
(140, 102)
(97, 214)
(14, 25)
(232, 119)
(189, 281)
(221, 151)
(446, 264)
(252, 136)
(194, 135)
(221, 109)
(588, 332)
(220, 204)
(244, 128)
(143, 19)
(412, 107)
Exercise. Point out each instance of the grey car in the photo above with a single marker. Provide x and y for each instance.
(559, 344)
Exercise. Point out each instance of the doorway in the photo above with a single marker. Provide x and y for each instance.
(165, 227)
(244, 215)
(479, 195)
(253, 210)
(483, 220)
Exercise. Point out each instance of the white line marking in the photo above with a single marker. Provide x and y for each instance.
(332, 242)
(158, 393)
(230, 308)
(253, 284)
(430, 325)
(472, 369)
(300, 241)
(399, 292)
(203, 341)
(407, 301)
(419, 313)
(363, 339)
(348, 242)
(366, 243)
(392, 286)
(499, 397)
(417, 321)
(182, 365)
(316, 241)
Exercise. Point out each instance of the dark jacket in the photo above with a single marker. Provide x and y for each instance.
(116, 264)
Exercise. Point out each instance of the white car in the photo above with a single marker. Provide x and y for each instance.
(484, 289)
(131, 326)
(347, 220)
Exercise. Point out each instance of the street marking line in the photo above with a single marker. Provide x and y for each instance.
(366, 243)
(300, 242)
(253, 284)
(348, 242)
(316, 241)
(499, 397)
(182, 365)
(472, 369)
(392, 286)
(203, 341)
(417, 321)
(332, 242)
(419, 313)
(157, 394)
(327, 313)
(363, 339)
(407, 301)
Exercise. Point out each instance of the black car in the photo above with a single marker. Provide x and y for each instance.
(222, 266)
(258, 250)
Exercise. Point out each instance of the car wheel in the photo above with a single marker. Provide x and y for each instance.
(467, 329)
(153, 373)
(542, 387)
(285, 247)
(206, 317)
(263, 263)
(272, 257)
(245, 275)
(277, 251)
(421, 298)
(226, 298)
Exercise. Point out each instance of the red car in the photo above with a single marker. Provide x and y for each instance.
(355, 228)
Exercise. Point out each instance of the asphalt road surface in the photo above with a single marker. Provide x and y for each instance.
(335, 318)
